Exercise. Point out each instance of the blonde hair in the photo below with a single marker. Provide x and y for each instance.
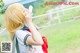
(14, 18)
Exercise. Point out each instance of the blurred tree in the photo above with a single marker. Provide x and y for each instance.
(1, 3)
(0, 0)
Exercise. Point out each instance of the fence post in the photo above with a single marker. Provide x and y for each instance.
(58, 15)
(50, 17)
(62, 8)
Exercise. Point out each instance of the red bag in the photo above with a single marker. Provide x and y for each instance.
(45, 45)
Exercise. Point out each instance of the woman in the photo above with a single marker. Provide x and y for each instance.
(17, 16)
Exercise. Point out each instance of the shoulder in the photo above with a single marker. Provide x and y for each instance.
(22, 32)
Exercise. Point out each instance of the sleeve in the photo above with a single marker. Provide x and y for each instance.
(22, 36)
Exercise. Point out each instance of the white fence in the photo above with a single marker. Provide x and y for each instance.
(56, 12)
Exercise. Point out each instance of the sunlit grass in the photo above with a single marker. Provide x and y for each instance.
(62, 36)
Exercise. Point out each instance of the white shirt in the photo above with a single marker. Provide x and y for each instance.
(21, 34)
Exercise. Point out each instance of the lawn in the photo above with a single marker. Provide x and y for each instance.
(63, 38)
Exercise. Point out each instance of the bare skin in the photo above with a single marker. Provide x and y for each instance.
(36, 38)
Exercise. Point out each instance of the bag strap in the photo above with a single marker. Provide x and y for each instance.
(17, 46)
(15, 43)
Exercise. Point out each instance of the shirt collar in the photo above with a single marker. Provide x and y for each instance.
(25, 28)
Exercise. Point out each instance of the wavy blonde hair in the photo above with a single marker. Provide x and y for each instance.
(14, 18)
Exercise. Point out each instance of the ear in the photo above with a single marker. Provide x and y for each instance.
(30, 8)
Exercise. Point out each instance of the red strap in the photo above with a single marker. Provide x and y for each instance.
(28, 30)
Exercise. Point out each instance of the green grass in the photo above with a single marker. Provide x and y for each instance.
(4, 37)
(63, 36)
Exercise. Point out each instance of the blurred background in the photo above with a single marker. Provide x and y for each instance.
(59, 23)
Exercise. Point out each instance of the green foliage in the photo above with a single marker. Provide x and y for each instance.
(69, 14)
(1, 3)
(40, 7)
(1, 0)
(1, 20)
(2, 11)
